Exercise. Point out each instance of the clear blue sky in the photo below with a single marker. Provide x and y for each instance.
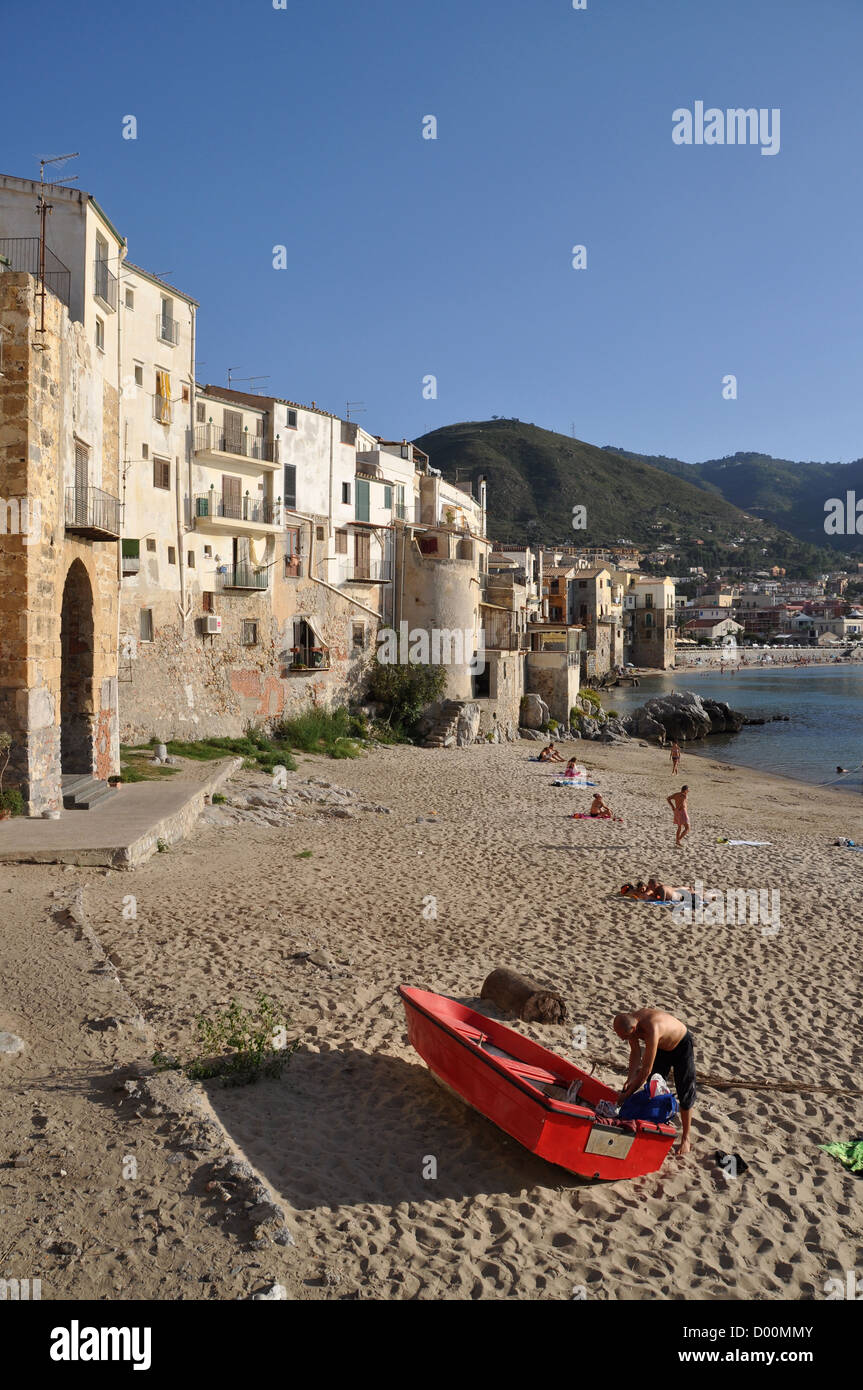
(302, 127)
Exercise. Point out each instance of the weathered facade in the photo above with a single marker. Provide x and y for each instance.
(59, 540)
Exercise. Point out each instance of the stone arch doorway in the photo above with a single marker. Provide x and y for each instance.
(76, 673)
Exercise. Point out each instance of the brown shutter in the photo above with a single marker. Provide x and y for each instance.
(231, 497)
(362, 555)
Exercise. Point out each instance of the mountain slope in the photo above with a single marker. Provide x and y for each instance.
(536, 477)
(791, 495)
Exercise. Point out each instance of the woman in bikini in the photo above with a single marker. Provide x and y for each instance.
(599, 808)
(675, 757)
(678, 803)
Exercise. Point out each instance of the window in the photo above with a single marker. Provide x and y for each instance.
(145, 451)
(207, 601)
(388, 498)
(250, 633)
(319, 533)
(648, 620)
(232, 423)
(145, 628)
(292, 553)
(162, 473)
(100, 335)
(131, 552)
(139, 374)
(648, 600)
(362, 497)
(130, 299)
(358, 636)
(290, 497)
(151, 544)
(346, 493)
(190, 559)
(172, 555)
(428, 545)
(162, 399)
(201, 413)
(292, 419)
(341, 542)
(167, 325)
(208, 551)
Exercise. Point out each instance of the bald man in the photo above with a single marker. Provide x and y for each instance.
(659, 1042)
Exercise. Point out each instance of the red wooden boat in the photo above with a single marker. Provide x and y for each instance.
(507, 1077)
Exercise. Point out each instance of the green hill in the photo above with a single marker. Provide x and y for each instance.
(536, 478)
(791, 495)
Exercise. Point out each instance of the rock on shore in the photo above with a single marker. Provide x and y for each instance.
(683, 715)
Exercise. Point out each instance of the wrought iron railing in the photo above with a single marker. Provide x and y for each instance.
(243, 577)
(211, 439)
(91, 509)
(258, 510)
(371, 571)
(22, 253)
(105, 284)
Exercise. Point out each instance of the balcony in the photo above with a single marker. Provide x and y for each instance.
(235, 515)
(93, 513)
(22, 253)
(213, 445)
(243, 577)
(105, 285)
(367, 572)
(167, 329)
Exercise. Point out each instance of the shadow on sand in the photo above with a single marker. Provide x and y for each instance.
(348, 1127)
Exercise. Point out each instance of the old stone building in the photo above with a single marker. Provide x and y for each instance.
(59, 547)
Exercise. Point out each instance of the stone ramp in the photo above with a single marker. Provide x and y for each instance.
(123, 830)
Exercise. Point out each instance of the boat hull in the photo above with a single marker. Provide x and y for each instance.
(453, 1041)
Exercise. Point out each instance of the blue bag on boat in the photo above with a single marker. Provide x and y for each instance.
(644, 1106)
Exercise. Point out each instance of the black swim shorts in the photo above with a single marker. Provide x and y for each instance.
(682, 1060)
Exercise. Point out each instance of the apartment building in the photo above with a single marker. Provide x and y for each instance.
(653, 623)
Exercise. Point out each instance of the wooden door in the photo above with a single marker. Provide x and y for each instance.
(232, 502)
(362, 555)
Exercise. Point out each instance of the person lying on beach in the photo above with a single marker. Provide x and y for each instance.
(659, 1042)
(667, 892)
(639, 891)
(599, 808)
(678, 803)
(550, 755)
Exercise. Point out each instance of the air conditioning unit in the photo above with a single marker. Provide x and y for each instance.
(210, 623)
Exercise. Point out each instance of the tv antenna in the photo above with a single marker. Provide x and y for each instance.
(358, 407)
(42, 211)
(246, 379)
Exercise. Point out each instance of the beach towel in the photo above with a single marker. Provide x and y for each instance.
(572, 782)
(720, 841)
(585, 815)
(850, 1155)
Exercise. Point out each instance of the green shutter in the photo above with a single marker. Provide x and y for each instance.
(362, 495)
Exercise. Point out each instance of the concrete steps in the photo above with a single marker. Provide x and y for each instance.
(443, 731)
(81, 793)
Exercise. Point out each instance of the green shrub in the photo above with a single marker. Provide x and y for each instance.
(238, 1046)
(330, 731)
(12, 800)
(406, 690)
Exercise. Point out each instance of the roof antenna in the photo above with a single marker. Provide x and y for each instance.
(42, 211)
(251, 379)
(359, 408)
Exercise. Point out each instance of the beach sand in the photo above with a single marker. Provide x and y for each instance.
(345, 1136)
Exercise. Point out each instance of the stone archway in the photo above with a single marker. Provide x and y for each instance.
(77, 707)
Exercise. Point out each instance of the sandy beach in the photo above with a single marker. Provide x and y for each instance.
(502, 877)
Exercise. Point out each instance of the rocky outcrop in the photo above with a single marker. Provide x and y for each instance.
(534, 712)
(682, 715)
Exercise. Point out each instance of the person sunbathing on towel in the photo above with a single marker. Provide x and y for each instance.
(667, 892)
(573, 770)
(659, 1042)
(599, 808)
(550, 755)
(639, 891)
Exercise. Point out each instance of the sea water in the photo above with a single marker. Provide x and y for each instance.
(825, 728)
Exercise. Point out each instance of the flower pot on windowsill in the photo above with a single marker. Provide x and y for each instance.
(316, 655)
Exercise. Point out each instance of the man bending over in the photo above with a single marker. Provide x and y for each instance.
(659, 1042)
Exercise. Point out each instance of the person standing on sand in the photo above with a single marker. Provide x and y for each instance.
(659, 1042)
(678, 803)
(675, 757)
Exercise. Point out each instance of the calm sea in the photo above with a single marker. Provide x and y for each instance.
(825, 728)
